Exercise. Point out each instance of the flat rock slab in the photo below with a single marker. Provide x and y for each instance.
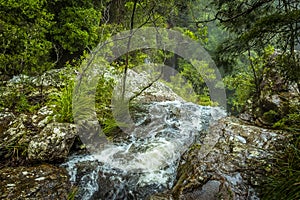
(38, 182)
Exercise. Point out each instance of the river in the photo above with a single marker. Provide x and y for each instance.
(145, 161)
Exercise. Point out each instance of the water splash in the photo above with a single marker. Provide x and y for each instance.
(146, 160)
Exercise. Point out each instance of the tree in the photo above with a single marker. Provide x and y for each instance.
(258, 24)
(23, 29)
(37, 35)
(77, 27)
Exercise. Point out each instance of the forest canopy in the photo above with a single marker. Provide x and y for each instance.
(42, 35)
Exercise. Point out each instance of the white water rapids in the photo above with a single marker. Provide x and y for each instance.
(145, 162)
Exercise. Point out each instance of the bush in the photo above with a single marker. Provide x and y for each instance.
(284, 179)
(63, 102)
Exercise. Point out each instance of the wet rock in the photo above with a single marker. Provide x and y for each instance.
(231, 162)
(53, 143)
(95, 181)
(38, 182)
(160, 197)
(15, 139)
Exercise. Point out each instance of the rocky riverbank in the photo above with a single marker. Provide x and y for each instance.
(229, 161)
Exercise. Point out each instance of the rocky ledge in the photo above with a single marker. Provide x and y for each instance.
(38, 182)
(231, 162)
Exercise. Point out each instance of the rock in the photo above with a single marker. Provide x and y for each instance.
(160, 197)
(38, 182)
(15, 139)
(5, 119)
(136, 82)
(49, 78)
(277, 97)
(209, 191)
(16, 131)
(231, 163)
(53, 143)
(43, 117)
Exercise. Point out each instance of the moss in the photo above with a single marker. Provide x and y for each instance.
(195, 146)
(290, 122)
(270, 116)
(182, 175)
(73, 192)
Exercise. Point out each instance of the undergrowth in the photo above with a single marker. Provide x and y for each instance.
(283, 182)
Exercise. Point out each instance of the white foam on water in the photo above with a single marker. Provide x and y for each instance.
(155, 147)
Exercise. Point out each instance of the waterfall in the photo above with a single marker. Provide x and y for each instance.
(145, 161)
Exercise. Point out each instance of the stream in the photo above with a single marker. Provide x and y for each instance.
(145, 161)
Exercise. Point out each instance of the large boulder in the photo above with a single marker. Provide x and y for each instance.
(51, 78)
(143, 86)
(38, 182)
(158, 91)
(53, 143)
(17, 131)
(230, 162)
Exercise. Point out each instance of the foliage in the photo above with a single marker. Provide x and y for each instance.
(15, 97)
(77, 29)
(103, 98)
(24, 28)
(284, 179)
(72, 193)
(16, 151)
(242, 86)
(246, 78)
(290, 121)
(257, 24)
(39, 35)
(63, 102)
(184, 89)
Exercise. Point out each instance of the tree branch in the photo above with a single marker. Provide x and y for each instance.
(128, 47)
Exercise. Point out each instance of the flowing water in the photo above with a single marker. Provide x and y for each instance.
(145, 161)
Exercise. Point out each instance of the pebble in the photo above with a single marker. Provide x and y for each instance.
(40, 179)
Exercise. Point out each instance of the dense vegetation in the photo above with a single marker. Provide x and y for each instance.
(250, 40)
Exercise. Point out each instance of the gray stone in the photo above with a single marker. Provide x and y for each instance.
(40, 182)
(231, 163)
(209, 191)
(6, 118)
(53, 143)
(136, 82)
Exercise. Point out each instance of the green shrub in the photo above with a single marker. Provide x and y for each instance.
(290, 121)
(284, 179)
(185, 90)
(271, 116)
(103, 98)
(16, 98)
(63, 102)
